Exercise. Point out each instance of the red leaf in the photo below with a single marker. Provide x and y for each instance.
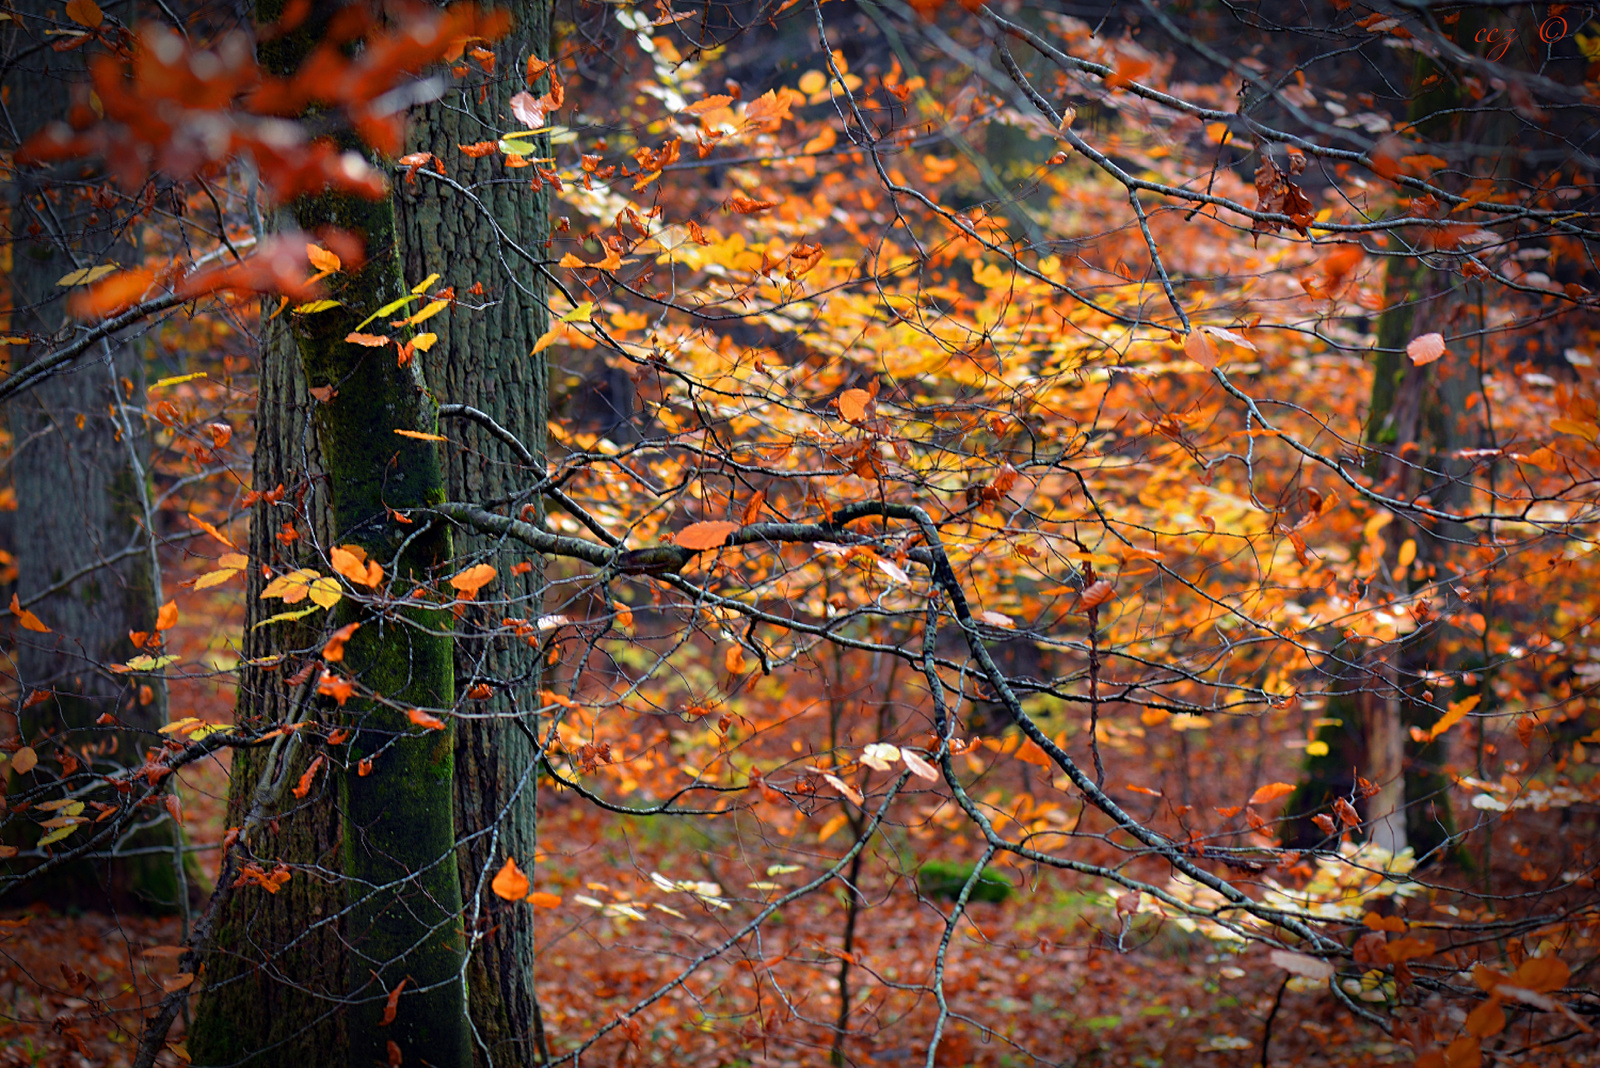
(392, 1006)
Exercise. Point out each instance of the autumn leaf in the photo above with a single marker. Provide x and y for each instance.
(322, 259)
(167, 617)
(84, 13)
(479, 149)
(391, 1005)
(510, 882)
(1426, 348)
(709, 103)
(337, 687)
(540, 899)
(880, 755)
(1324, 823)
(303, 787)
(26, 619)
(918, 766)
(843, 787)
(1454, 713)
(210, 529)
(1198, 347)
(467, 583)
(424, 720)
(371, 341)
(351, 562)
(419, 435)
(853, 403)
(528, 109)
(1346, 812)
(1271, 792)
(740, 204)
(1302, 965)
(333, 649)
(705, 535)
(1096, 594)
(24, 760)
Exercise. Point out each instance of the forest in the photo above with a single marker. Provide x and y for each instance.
(780, 533)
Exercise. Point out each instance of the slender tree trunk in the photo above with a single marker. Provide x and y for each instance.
(483, 361)
(83, 551)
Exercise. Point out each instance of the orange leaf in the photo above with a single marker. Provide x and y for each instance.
(209, 529)
(351, 562)
(743, 205)
(478, 149)
(303, 787)
(1426, 349)
(422, 719)
(708, 534)
(469, 582)
(543, 900)
(1128, 70)
(733, 660)
(167, 617)
(24, 760)
(1384, 923)
(1271, 792)
(421, 436)
(322, 259)
(1096, 594)
(333, 651)
(337, 687)
(1542, 974)
(510, 883)
(709, 103)
(1199, 348)
(392, 1006)
(1324, 822)
(26, 619)
(371, 341)
(1408, 948)
(853, 404)
(624, 614)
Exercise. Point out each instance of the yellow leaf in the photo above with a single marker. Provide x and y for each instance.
(322, 259)
(26, 619)
(1454, 714)
(1318, 748)
(422, 286)
(176, 379)
(215, 578)
(325, 591)
(58, 834)
(292, 587)
(1586, 431)
(427, 311)
(87, 275)
(420, 436)
(1408, 552)
(314, 306)
(571, 262)
(424, 342)
(583, 313)
(24, 760)
(510, 883)
(237, 561)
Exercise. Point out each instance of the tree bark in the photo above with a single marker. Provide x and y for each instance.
(483, 361)
(84, 557)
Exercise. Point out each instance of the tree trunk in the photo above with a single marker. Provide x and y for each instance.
(483, 361)
(276, 971)
(84, 558)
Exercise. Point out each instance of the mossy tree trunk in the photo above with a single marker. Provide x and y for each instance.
(83, 555)
(483, 361)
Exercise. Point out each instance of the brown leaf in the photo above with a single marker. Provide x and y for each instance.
(1346, 812)
(1097, 593)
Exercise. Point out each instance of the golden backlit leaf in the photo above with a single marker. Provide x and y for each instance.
(473, 579)
(853, 405)
(1271, 792)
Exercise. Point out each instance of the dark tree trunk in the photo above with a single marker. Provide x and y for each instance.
(84, 558)
(278, 962)
(483, 361)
